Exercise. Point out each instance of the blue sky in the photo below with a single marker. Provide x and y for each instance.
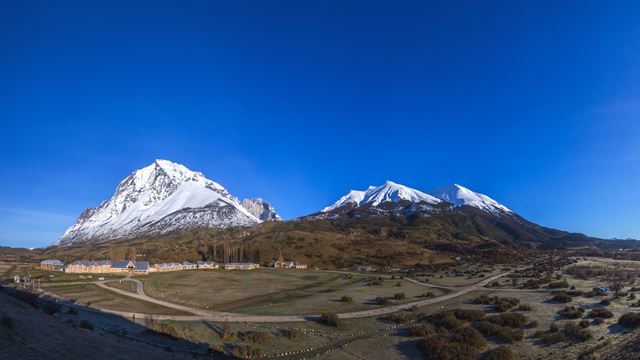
(535, 103)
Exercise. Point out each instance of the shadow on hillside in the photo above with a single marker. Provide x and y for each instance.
(147, 331)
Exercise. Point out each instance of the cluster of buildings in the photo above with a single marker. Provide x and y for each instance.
(137, 267)
(280, 264)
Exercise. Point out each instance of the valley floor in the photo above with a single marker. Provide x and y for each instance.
(274, 312)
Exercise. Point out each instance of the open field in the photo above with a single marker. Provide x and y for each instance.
(458, 274)
(92, 295)
(129, 286)
(277, 292)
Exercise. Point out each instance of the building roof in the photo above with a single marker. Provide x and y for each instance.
(91, 262)
(202, 262)
(240, 264)
(51, 262)
(137, 265)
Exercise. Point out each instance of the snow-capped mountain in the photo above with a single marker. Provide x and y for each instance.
(387, 192)
(459, 195)
(261, 209)
(161, 197)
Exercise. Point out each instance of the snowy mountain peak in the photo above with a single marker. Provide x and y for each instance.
(459, 195)
(158, 198)
(387, 192)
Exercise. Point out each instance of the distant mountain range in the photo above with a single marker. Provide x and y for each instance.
(166, 197)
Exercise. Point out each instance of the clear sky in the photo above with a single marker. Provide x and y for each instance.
(535, 103)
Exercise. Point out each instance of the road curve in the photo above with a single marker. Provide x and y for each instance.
(219, 316)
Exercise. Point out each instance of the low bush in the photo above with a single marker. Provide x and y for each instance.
(498, 353)
(291, 333)
(72, 311)
(255, 336)
(401, 317)
(525, 307)
(445, 319)
(630, 320)
(331, 319)
(246, 351)
(571, 312)
(469, 314)
(575, 332)
(598, 321)
(584, 324)
(561, 284)
(504, 333)
(562, 298)
(346, 299)
(461, 344)
(422, 330)
(513, 320)
(553, 338)
(86, 325)
(399, 296)
(600, 313)
(575, 293)
(382, 301)
(605, 302)
(532, 325)
(553, 328)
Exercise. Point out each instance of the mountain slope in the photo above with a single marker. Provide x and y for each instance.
(161, 197)
(261, 209)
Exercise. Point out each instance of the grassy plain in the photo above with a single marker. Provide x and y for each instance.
(277, 292)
